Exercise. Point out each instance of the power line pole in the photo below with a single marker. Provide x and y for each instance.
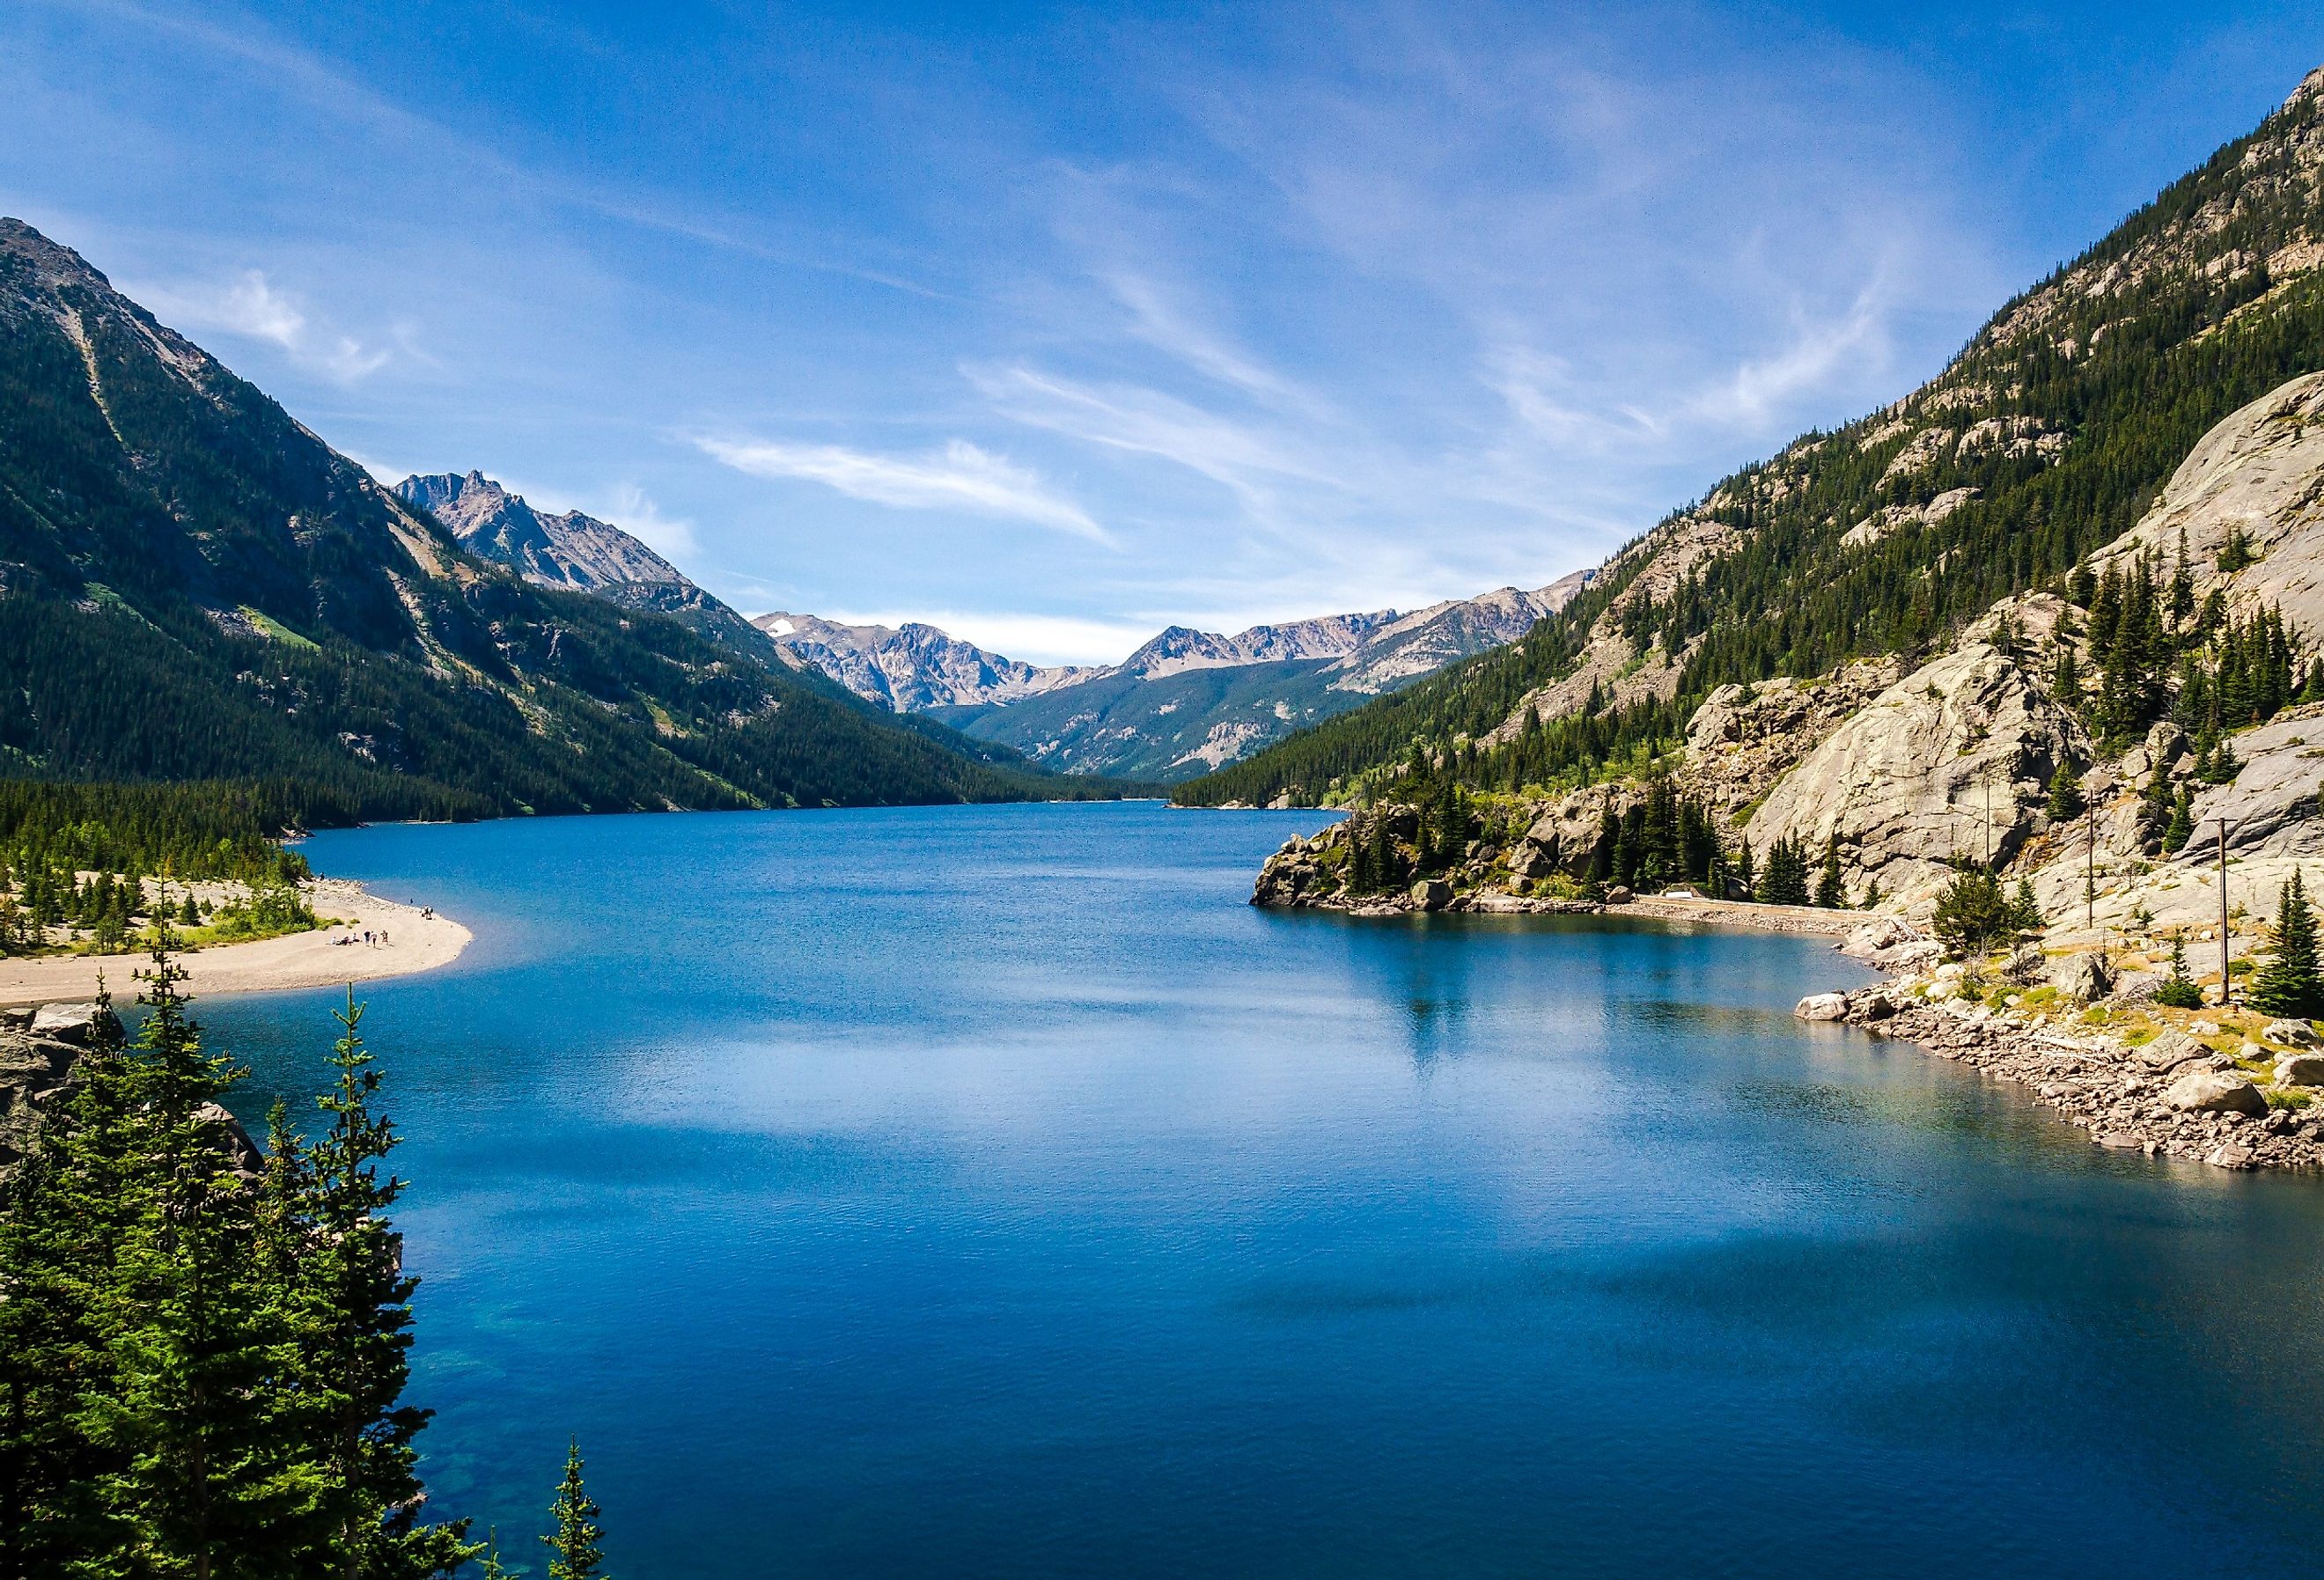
(2090, 866)
(1987, 777)
(2226, 983)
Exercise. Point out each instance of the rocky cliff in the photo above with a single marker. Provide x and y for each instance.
(2039, 449)
(548, 549)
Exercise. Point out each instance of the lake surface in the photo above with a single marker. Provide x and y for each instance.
(991, 1192)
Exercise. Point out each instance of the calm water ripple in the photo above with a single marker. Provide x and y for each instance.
(990, 1192)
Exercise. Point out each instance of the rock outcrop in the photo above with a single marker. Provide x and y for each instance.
(1952, 759)
(37, 1050)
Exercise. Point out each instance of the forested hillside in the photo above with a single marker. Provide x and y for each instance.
(2047, 436)
(194, 587)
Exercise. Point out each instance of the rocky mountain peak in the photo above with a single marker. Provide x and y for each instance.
(562, 550)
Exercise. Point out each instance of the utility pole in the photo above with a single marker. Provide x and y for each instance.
(2226, 983)
(2090, 866)
(1987, 777)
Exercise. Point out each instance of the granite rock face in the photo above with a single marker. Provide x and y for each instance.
(1955, 757)
(37, 1051)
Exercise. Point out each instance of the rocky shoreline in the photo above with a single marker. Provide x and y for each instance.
(2217, 1088)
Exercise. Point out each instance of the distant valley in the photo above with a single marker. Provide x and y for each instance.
(1185, 703)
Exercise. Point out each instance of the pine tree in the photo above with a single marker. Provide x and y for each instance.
(206, 1479)
(1829, 893)
(574, 1551)
(1784, 879)
(2025, 909)
(2179, 990)
(2290, 984)
(2181, 827)
(68, 1210)
(361, 1349)
(2066, 800)
(1362, 878)
(1973, 913)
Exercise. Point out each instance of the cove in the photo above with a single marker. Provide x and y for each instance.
(991, 1192)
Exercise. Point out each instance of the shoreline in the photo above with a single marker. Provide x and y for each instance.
(295, 960)
(2173, 1094)
(2125, 1096)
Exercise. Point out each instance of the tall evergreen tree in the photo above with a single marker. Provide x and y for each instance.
(67, 1212)
(574, 1553)
(361, 1348)
(2291, 984)
(1830, 892)
(1784, 878)
(2179, 990)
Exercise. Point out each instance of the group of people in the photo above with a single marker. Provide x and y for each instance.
(370, 940)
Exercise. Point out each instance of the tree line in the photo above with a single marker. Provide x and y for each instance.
(204, 1344)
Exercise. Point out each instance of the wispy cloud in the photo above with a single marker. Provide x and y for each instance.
(249, 304)
(636, 513)
(961, 476)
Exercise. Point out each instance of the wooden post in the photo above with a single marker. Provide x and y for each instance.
(2226, 983)
(2090, 866)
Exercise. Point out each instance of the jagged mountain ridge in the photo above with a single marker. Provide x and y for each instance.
(193, 584)
(566, 549)
(1162, 712)
(911, 667)
(2045, 439)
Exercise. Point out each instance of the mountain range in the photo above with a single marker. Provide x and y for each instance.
(2088, 547)
(193, 585)
(1185, 701)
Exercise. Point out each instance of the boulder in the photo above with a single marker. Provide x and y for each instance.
(2169, 1050)
(2214, 1092)
(1430, 894)
(2229, 1155)
(2300, 1069)
(1617, 895)
(2291, 1033)
(1530, 861)
(1884, 933)
(1821, 1006)
(2085, 979)
(2028, 965)
(1875, 1006)
(73, 1023)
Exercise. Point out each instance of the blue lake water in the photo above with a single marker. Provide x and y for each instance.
(991, 1192)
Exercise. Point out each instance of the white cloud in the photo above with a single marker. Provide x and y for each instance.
(250, 305)
(960, 477)
(635, 513)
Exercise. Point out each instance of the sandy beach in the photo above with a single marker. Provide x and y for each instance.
(315, 959)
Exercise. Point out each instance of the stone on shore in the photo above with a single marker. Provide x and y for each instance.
(2215, 1092)
(1430, 894)
(2170, 1049)
(1821, 1006)
(73, 1023)
(2084, 979)
(2300, 1069)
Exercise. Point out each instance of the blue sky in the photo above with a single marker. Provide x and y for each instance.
(1055, 324)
